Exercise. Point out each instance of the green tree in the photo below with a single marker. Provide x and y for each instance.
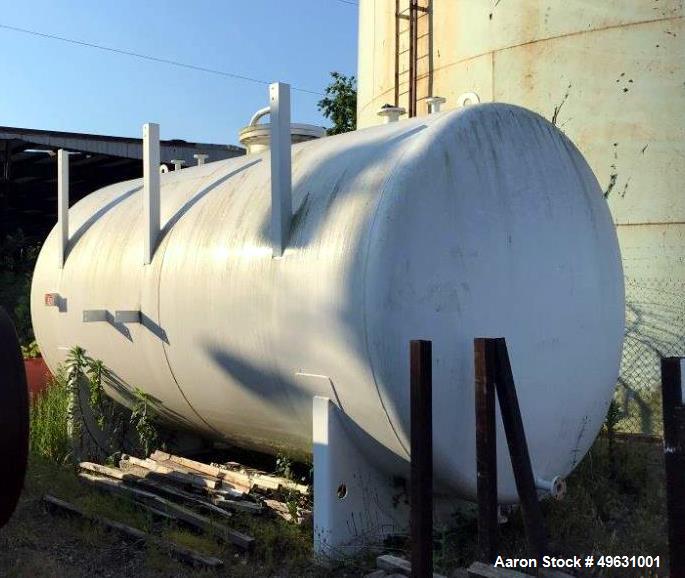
(340, 103)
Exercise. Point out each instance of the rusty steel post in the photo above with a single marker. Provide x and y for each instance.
(518, 450)
(674, 458)
(412, 58)
(397, 53)
(485, 359)
(421, 477)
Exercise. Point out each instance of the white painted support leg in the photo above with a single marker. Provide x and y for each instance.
(354, 503)
(63, 203)
(151, 200)
(281, 169)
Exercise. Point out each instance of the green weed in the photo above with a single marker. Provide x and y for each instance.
(49, 410)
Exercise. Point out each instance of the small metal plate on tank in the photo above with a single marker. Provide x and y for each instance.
(93, 315)
(51, 299)
(127, 316)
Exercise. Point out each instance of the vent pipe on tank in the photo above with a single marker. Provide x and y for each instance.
(178, 164)
(63, 203)
(281, 169)
(151, 204)
(200, 158)
(262, 112)
(391, 113)
(434, 103)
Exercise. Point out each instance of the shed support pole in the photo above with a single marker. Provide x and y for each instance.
(63, 203)
(151, 200)
(281, 170)
(673, 386)
(485, 359)
(421, 475)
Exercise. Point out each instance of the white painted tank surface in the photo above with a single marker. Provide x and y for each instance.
(480, 222)
(611, 73)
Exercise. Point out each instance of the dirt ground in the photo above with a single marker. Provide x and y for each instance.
(38, 543)
(615, 506)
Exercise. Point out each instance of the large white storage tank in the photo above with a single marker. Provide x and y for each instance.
(612, 75)
(483, 222)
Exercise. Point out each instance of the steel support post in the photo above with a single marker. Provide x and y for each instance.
(485, 360)
(673, 386)
(421, 477)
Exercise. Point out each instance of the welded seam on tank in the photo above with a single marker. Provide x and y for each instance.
(167, 239)
(650, 224)
(391, 175)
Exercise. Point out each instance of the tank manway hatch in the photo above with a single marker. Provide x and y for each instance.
(255, 136)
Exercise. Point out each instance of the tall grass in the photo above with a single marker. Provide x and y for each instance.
(49, 417)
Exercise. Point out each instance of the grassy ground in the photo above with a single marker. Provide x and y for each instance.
(610, 509)
(604, 513)
(615, 506)
(38, 543)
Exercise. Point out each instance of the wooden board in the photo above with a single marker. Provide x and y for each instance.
(177, 511)
(169, 473)
(243, 480)
(396, 565)
(181, 552)
(154, 486)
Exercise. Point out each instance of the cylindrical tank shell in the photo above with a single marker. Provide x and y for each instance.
(611, 76)
(484, 222)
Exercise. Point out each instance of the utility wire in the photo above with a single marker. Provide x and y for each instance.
(349, 2)
(150, 58)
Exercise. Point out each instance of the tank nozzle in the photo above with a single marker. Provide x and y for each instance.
(556, 487)
(434, 103)
(200, 158)
(391, 113)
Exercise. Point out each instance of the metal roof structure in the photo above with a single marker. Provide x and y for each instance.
(28, 173)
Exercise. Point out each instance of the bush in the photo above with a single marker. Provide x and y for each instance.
(18, 256)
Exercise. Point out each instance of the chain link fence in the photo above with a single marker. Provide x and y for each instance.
(655, 328)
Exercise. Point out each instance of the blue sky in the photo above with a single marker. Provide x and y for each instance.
(49, 84)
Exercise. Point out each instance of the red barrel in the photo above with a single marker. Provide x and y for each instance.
(37, 375)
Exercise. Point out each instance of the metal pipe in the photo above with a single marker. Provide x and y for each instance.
(178, 164)
(200, 158)
(63, 204)
(556, 487)
(151, 204)
(259, 114)
(281, 169)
